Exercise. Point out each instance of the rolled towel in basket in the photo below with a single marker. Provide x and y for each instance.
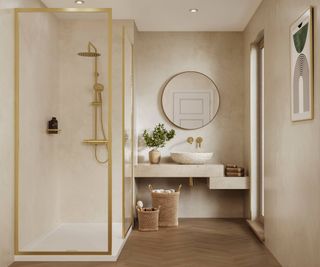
(163, 191)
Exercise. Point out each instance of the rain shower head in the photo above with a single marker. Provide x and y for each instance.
(90, 53)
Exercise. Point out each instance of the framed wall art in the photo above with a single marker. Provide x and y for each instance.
(301, 42)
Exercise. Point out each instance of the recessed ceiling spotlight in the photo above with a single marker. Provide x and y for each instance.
(79, 2)
(193, 10)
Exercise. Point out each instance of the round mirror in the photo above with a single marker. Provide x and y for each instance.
(190, 100)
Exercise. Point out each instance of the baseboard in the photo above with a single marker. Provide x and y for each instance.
(257, 228)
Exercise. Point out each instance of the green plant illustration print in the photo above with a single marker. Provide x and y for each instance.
(300, 38)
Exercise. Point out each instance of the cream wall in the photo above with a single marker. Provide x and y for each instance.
(292, 155)
(7, 123)
(6, 137)
(158, 56)
(39, 81)
(83, 181)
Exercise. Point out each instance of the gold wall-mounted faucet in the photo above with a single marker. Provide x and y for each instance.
(199, 140)
(190, 140)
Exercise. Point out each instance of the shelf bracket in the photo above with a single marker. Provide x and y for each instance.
(191, 183)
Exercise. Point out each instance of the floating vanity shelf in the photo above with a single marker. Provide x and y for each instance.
(214, 173)
(95, 142)
(229, 183)
(178, 170)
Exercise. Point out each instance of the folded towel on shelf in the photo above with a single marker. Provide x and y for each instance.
(234, 169)
(234, 174)
(231, 166)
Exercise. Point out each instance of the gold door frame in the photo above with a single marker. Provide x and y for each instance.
(17, 11)
(124, 229)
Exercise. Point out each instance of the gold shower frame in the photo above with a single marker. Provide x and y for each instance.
(17, 11)
(125, 229)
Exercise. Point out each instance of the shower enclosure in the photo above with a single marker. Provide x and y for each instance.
(63, 188)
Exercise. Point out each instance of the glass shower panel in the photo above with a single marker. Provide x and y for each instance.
(128, 132)
(62, 171)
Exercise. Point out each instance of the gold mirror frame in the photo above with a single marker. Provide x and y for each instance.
(17, 11)
(165, 86)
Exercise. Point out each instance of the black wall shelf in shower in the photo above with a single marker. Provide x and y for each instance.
(53, 131)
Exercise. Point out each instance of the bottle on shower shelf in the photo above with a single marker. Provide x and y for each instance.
(53, 126)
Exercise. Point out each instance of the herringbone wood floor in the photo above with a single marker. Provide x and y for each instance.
(196, 243)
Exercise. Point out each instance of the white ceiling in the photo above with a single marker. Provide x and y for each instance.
(174, 15)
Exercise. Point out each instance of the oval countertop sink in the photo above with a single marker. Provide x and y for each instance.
(191, 157)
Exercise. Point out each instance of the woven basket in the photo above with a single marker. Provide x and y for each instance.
(148, 219)
(169, 203)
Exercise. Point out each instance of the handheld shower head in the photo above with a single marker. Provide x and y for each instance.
(98, 87)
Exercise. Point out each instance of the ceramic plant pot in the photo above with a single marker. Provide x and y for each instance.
(154, 156)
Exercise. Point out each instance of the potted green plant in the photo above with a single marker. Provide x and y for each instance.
(157, 139)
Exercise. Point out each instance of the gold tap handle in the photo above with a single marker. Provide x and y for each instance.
(190, 140)
(199, 140)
